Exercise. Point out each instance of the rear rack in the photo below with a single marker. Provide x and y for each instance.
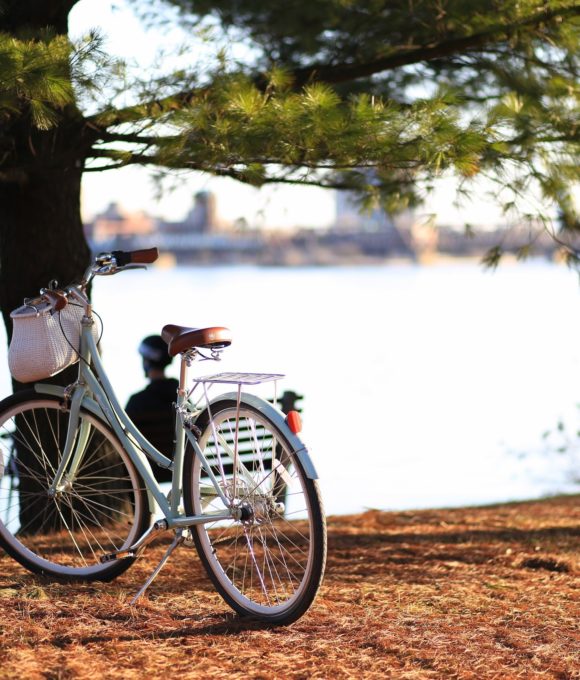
(239, 378)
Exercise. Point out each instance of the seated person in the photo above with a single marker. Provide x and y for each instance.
(152, 409)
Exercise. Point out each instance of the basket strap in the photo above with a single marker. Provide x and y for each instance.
(56, 298)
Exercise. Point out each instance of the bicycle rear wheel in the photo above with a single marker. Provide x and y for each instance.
(102, 509)
(269, 563)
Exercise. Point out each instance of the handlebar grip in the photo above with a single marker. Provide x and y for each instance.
(146, 256)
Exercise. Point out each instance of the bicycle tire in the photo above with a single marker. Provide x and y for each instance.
(104, 508)
(267, 565)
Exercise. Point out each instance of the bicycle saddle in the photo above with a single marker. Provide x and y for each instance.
(180, 338)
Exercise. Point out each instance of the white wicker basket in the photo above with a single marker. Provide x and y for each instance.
(44, 341)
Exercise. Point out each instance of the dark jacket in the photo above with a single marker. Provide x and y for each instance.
(153, 413)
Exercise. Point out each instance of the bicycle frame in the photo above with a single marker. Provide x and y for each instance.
(93, 392)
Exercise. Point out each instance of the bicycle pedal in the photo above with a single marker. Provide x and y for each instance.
(121, 555)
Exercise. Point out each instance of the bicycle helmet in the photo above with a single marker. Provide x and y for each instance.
(153, 349)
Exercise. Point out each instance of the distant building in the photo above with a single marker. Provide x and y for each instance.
(201, 219)
(369, 234)
(350, 216)
(113, 223)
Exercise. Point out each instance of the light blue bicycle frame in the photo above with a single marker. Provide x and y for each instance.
(93, 392)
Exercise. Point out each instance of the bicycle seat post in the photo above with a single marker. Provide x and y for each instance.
(187, 358)
(176, 485)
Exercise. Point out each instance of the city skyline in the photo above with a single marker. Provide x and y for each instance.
(204, 215)
(203, 236)
(275, 207)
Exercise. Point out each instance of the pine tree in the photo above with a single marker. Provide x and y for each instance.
(380, 97)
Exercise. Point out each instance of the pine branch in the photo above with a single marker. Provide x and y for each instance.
(133, 159)
(239, 176)
(340, 73)
(151, 110)
(132, 138)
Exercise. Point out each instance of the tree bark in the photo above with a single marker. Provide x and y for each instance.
(41, 231)
(41, 235)
(41, 238)
(35, 14)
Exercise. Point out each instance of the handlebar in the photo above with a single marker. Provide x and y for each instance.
(146, 256)
(104, 264)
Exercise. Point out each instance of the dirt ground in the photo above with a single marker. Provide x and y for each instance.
(488, 592)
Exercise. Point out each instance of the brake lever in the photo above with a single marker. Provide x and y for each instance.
(132, 266)
(106, 270)
(112, 268)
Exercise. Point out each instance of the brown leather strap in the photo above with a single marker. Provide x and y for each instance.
(57, 298)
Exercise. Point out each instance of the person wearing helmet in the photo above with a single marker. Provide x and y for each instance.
(152, 409)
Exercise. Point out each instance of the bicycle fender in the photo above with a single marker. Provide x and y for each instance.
(53, 390)
(278, 418)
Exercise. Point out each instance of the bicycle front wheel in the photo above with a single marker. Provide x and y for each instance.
(269, 563)
(100, 508)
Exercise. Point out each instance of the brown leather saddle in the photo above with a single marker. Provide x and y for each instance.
(180, 338)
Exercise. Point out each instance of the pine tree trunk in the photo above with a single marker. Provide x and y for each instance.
(41, 235)
(41, 231)
(41, 238)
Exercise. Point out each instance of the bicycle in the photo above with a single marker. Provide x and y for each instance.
(77, 491)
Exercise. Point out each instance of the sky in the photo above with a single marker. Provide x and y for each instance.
(272, 206)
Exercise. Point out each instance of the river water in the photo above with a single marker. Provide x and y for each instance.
(423, 385)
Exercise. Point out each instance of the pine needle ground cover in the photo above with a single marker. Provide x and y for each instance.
(488, 592)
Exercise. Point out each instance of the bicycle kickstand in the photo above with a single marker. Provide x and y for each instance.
(178, 540)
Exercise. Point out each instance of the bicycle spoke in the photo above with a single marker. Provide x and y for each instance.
(93, 511)
(269, 564)
(77, 515)
(32, 521)
(263, 561)
(92, 520)
(282, 551)
(96, 504)
(36, 436)
(253, 558)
